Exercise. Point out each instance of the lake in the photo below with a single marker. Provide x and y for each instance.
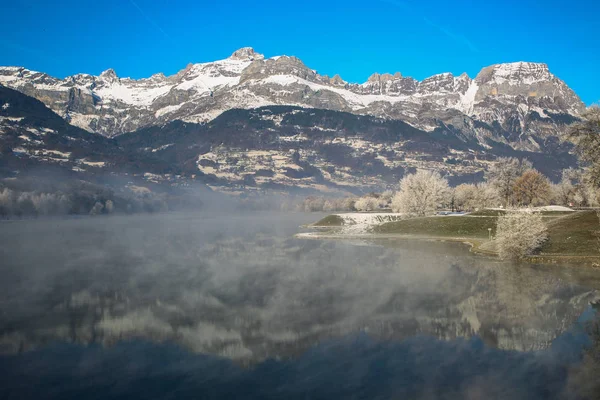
(216, 305)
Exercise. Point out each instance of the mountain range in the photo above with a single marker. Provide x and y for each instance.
(248, 122)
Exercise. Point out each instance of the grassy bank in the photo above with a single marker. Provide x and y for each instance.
(575, 234)
(497, 213)
(572, 237)
(330, 220)
(451, 226)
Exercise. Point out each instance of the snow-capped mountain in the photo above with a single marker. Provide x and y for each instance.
(519, 97)
(250, 122)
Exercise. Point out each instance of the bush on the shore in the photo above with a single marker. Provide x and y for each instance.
(519, 233)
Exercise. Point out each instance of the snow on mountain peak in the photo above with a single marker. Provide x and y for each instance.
(246, 54)
(376, 77)
(109, 75)
(517, 72)
(246, 79)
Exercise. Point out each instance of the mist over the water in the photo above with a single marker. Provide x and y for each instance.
(230, 291)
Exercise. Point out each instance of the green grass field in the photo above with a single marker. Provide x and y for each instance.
(575, 234)
(497, 213)
(569, 234)
(442, 226)
(330, 220)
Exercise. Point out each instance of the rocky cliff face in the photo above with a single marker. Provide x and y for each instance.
(516, 99)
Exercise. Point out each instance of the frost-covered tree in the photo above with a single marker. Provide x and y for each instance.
(564, 190)
(464, 196)
(344, 204)
(532, 189)
(50, 203)
(6, 202)
(312, 204)
(367, 203)
(25, 205)
(109, 206)
(519, 233)
(575, 189)
(97, 209)
(385, 200)
(487, 195)
(421, 193)
(504, 173)
(468, 197)
(586, 137)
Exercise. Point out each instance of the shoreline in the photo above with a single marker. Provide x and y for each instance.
(326, 233)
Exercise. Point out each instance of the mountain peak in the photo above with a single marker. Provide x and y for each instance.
(377, 77)
(109, 75)
(516, 71)
(246, 54)
(337, 80)
(520, 65)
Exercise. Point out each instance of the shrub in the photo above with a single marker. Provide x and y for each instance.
(519, 233)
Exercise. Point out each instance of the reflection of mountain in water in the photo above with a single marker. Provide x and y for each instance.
(242, 288)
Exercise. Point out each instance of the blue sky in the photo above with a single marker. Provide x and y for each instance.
(353, 38)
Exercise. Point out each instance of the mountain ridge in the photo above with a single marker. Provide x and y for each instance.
(247, 122)
(111, 105)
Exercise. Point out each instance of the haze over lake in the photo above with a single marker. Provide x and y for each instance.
(182, 294)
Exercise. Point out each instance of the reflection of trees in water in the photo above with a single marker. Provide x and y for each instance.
(584, 378)
(246, 290)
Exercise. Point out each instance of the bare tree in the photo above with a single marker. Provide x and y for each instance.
(504, 173)
(532, 188)
(519, 233)
(421, 193)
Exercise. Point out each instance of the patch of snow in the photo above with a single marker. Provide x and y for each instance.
(57, 153)
(134, 95)
(554, 208)
(98, 164)
(520, 73)
(357, 101)
(82, 121)
(543, 208)
(167, 110)
(13, 119)
(19, 150)
(165, 146)
(359, 223)
(467, 101)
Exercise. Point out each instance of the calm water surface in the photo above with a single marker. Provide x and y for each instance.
(233, 306)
